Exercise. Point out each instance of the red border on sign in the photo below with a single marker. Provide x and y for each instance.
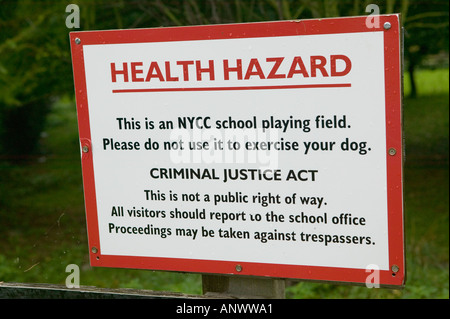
(394, 158)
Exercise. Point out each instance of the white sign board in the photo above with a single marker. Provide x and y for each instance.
(260, 149)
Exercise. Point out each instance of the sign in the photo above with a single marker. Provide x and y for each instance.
(266, 149)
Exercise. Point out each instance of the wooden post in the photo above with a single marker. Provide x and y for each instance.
(243, 287)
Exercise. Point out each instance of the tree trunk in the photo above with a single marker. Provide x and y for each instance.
(411, 69)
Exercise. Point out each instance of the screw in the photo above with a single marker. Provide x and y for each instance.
(395, 268)
(77, 40)
(238, 268)
(94, 250)
(85, 149)
(387, 25)
(392, 151)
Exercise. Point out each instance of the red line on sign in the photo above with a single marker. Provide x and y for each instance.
(235, 88)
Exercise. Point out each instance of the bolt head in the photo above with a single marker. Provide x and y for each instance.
(238, 268)
(392, 151)
(387, 25)
(77, 40)
(85, 149)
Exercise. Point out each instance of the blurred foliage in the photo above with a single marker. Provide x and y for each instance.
(35, 62)
(33, 51)
(35, 68)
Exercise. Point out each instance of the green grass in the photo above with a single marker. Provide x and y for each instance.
(428, 82)
(43, 227)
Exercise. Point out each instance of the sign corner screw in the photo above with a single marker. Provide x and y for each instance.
(387, 25)
(395, 269)
(85, 149)
(94, 250)
(77, 40)
(238, 268)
